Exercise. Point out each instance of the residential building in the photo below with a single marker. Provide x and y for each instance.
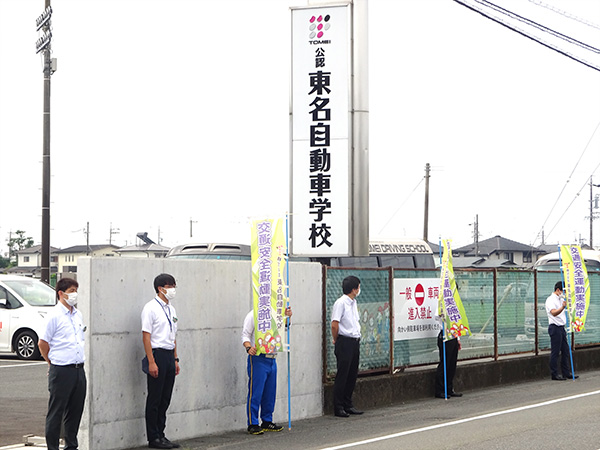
(67, 257)
(499, 252)
(29, 262)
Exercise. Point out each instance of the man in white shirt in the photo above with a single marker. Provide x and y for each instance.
(262, 381)
(345, 330)
(61, 345)
(555, 308)
(159, 328)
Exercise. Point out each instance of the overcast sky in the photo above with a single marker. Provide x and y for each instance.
(166, 111)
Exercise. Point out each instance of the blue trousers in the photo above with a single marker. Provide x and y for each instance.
(262, 388)
(559, 345)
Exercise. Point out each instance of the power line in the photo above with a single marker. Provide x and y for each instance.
(565, 14)
(538, 26)
(403, 203)
(565, 185)
(525, 34)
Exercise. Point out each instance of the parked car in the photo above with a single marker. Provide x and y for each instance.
(24, 304)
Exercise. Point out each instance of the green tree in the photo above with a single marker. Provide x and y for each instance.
(4, 262)
(18, 243)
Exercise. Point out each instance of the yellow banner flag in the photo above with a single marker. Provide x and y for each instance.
(577, 285)
(268, 252)
(449, 303)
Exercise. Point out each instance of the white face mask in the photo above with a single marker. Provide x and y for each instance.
(170, 293)
(71, 298)
(358, 293)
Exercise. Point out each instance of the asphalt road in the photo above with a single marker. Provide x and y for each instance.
(535, 415)
(23, 398)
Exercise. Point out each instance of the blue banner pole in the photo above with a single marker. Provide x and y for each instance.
(443, 328)
(562, 274)
(287, 270)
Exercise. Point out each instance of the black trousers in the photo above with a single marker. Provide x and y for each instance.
(67, 387)
(159, 393)
(559, 345)
(451, 358)
(347, 353)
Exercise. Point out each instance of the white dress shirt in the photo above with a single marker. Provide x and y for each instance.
(160, 320)
(64, 335)
(555, 302)
(248, 329)
(345, 311)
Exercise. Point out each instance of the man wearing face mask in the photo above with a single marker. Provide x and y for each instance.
(61, 345)
(345, 330)
(555, 308)
(159, 327)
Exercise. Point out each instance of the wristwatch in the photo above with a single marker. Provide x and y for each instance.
(247, 349)
(176, 359)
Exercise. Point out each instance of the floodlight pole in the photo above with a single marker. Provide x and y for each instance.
(45, 269)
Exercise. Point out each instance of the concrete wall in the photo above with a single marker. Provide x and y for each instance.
(213, 298)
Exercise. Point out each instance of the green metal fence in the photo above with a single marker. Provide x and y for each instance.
(505, 309)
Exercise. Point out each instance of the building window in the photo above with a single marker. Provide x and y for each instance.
(527, 258)
(510, 256)
(25, 258)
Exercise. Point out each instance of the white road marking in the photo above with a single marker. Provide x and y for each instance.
(457, 422)
(23, 364)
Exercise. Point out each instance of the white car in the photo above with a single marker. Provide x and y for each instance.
(24, 304)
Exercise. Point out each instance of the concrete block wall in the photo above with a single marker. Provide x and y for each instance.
(213, 297)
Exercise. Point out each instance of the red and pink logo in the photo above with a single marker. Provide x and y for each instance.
(318, 26)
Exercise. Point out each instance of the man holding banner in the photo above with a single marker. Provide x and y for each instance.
(453, 318)
(262, 380)
(263, 331)
(555, 308)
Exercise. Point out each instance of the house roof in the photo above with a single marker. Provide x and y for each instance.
(494, 245)
(493, 263)
(84, 248)
(35, 249)
(467, 261)
(144, 248)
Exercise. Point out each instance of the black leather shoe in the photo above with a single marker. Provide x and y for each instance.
(353, 410)
(173, 444)
(455, 394)
(441, 396)
(341, 413)
(159, 443)
(570, 377)
(559, 378)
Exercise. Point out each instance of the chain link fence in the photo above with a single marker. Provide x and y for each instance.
(505, 308)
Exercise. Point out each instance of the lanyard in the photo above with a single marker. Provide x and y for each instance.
(168, 318)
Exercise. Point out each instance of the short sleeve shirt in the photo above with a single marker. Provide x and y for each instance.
(159, 319)
(555, 302)
(64, 334)
(345, 311)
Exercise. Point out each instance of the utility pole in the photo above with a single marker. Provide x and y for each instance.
(592, 185)
(111, 232)
(192, 222)
(87, 234)
(426, 215)
(43, 24)
(476, 234)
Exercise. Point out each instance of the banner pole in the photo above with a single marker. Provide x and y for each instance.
(562, 274)
(443, 331)
(287, 270)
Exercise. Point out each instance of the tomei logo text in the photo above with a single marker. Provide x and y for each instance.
(317, 28)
